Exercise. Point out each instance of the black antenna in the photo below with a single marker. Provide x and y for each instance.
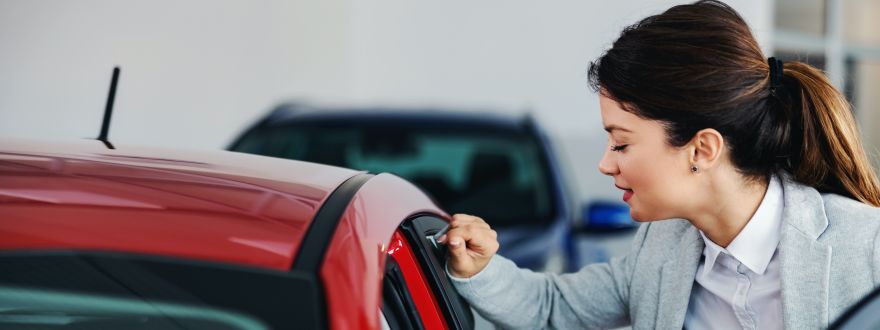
(108, 110)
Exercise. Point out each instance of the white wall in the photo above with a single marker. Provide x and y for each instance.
(193, 72)
(196, 72)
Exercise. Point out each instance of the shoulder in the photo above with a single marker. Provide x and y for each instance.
(827, 215)
(853, 233)
(843, 203)
(853, 227)
(845, 213)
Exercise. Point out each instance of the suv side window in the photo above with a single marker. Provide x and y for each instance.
(472, 171)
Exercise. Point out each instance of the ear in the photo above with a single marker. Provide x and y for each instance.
(706, 147)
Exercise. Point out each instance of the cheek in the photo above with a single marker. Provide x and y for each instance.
(656, 182)
(643, 170)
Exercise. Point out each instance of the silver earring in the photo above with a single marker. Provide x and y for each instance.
(694, 169)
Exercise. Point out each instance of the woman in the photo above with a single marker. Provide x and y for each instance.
(757, 163)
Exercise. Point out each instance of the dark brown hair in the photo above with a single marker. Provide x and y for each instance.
(698, 66)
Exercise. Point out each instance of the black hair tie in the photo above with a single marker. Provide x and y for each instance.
(775, 74)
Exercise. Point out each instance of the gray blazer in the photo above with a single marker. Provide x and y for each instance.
(827, 253)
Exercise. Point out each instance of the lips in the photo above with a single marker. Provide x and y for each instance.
(627, 193)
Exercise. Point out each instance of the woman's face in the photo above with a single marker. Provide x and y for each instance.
(654, 176)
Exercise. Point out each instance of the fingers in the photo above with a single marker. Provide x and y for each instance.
(467, 223)
(476, 236)
(461, 264)
(471, 243)
(457, 249)
(458, 233)
(465, 219)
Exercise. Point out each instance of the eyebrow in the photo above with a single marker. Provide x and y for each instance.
(611, 128)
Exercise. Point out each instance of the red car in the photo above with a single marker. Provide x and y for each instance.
(93, 237)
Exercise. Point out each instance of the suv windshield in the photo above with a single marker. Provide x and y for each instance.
(500, 175)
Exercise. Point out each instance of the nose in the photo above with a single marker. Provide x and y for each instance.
(608, 165)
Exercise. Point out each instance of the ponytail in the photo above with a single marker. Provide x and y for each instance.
(830, 156)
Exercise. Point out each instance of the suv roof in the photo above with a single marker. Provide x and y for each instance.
(300, 113)
(209, 205)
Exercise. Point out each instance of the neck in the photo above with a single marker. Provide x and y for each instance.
(731, 204)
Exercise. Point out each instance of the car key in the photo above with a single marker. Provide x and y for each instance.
(433, 238)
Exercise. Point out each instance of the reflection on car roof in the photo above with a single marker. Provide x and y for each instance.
(211, 205)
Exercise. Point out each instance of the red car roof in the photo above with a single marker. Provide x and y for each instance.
(211, 205)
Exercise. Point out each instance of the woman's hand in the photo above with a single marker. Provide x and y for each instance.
(471, 243)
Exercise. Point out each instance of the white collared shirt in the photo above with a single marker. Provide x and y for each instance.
(738, 287)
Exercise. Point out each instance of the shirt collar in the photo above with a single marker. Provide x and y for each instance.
(755, 245)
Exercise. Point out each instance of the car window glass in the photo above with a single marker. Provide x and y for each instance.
(29, 308)
(399, 309)
(500, 175)
(97, 290)
(253, 143)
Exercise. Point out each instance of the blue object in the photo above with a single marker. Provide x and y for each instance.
(606, 216)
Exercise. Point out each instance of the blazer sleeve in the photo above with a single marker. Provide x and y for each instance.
(597, 296)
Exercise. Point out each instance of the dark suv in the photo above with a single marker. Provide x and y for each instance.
(499, 167)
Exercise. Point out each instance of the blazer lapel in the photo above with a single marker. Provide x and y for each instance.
(677, 279)
(805, 263)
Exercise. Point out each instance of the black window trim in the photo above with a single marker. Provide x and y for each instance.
(397, 304)
(456, 311)
(318, 236)
(315, 242)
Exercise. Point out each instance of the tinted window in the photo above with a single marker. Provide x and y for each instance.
(398, 309)
(60, 290)
(500, 175)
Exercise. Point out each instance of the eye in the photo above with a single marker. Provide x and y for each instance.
(618, 148)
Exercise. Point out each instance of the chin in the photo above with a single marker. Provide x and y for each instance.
(636, 216)
(640, 216)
